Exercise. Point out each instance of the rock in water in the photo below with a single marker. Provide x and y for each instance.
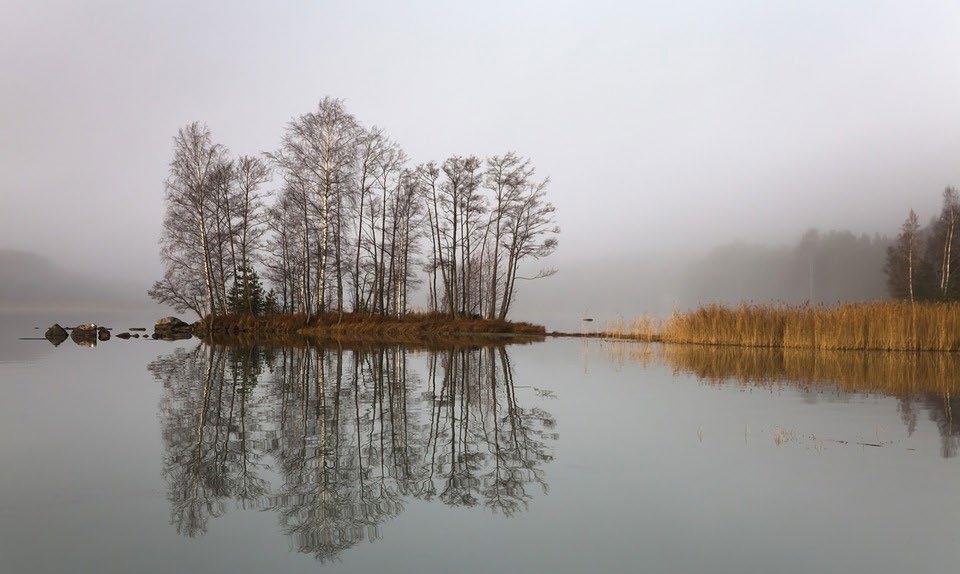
(172, 328)
(56, 330)
(85, 335)
(103, 334)
(170, 323)
(56, 334)
(123, 335)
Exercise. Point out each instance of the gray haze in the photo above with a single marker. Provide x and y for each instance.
(668, 128)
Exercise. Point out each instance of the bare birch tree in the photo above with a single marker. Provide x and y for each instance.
(902, 258)
(948, 218)
(185, 244)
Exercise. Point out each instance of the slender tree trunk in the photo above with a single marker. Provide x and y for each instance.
(356, 265)
(337, 260)
(495, 264)
(207, 272)
(910, 272)
(452, 293)
(433, 263)
(947, 254)
(325, 225)
(375, 251)
(305, 279)
(381, 296)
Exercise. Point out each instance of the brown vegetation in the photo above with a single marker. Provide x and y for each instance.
(883, 326)
(413, 328)
(641, 329)
(889, 326)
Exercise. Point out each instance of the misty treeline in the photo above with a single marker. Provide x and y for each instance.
(923, 261)
(822, 267)
(338, 219)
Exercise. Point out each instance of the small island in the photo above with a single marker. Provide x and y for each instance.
(356, 242)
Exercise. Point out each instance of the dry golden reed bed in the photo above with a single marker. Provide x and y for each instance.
(887, 326)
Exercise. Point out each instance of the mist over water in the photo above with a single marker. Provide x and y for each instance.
(817, 267)
(668, 131)
(697, 152)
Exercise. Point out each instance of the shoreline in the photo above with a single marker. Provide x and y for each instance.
(884, 325)
(412, 328)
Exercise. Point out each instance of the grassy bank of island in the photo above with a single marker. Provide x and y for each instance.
(410, 327)
(881, 325)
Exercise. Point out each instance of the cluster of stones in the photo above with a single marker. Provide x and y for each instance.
(86, 334)
(168, 328)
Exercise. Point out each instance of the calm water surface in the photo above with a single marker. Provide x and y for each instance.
(563, 456)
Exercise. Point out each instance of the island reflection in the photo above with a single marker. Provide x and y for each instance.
(335, 441)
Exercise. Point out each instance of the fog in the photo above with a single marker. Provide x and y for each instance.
(668, 129)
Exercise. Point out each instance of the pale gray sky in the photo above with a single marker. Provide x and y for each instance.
(663, 125)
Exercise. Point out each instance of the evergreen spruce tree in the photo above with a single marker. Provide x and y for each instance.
(270, 304)
(246, 296)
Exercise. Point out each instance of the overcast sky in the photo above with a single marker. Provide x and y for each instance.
(664, 126)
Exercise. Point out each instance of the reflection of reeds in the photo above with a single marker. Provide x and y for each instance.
(917, 380)
(897, 374)
(641, 353)
(891, 326)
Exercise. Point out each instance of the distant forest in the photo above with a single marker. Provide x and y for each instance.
(920, 264)
(822, 267)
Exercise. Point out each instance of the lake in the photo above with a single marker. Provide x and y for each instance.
(570, 455)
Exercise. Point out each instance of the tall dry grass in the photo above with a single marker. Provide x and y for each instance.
(888, 326)
(641, 329)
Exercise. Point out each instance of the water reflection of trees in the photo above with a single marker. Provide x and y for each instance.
(335, 441)
(919, 381)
